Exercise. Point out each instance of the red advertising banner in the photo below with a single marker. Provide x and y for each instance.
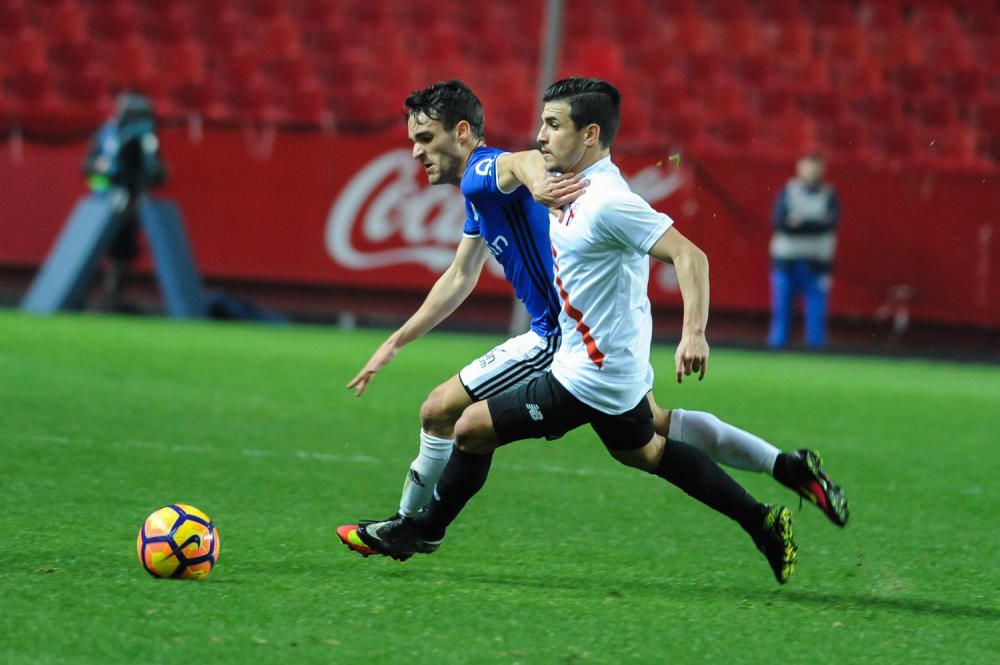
(356, 211)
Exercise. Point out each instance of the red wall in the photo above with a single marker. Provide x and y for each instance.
(349, 210)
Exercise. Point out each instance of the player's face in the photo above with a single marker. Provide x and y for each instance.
(436, 149)
(810, 170)
(562, 145)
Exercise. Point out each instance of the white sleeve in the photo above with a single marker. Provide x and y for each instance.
(631, 222)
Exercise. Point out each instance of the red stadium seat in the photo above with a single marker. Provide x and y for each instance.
(894, 46)
(948, 148)
(201, 97)
(789, 40)
(115, 20)
(734, 35)
(180, 61)
(988, 149)
(893, 146)
(753, 69)
(779, 11)
(881, 15)
(254, 99)
(307, 105)
(785, 136)
(13, 18)
(937, 111)
(911, 79)
(773, 100)
(857, 79)
(732, 134)
(831, 14)
(169, 23)
(682, 129)
(87, 89)
(965, 84)
(824, 106)
(26, 48)
(844, 140)
(879, 109)
(723, 98)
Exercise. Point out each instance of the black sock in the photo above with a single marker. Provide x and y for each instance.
(464, 475)
(694, 472)
(783, 470)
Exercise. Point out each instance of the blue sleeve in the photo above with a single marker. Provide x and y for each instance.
(780, 210)
(471, 220)
(482, 177)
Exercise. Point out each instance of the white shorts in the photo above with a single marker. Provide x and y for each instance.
(510, 364)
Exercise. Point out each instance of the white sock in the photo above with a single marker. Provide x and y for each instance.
(424, 472)
(721, 441)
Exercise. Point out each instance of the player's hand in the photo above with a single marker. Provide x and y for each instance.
(558, 190)
(382, 357)
(691, 357)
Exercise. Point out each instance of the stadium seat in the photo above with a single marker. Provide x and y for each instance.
(844, 140)
(13, 18)
(753, 69)
(254, 99)
(180, 61)
(727, 135)
(964, 84)
(724, 97)
(773, 100)
(857, 79)
(789, 40)
(198, 97)
(735, 35)
(830, 14)
(115, 21)
(880, 15)
(912, 79)
(167, 23)
(951, 147)
(824, 106)
(785, 136)
(935, 111)
(778, 11)
(892, 146)
(682, 129)
(307, 105)
(878, 109)
(894, 46)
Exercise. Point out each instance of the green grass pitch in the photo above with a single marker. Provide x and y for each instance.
(565, 557)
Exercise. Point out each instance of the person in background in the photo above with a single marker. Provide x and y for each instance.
(122, 163)
(805, 218)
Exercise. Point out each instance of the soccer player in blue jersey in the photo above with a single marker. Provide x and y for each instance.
(446, 126)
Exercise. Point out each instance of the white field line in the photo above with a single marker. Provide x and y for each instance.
(304, 455)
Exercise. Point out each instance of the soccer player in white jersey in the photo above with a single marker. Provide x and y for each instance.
(601, 373)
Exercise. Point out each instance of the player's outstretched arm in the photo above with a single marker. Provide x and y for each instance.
(528, 168)
(449, 291)
(691, 265)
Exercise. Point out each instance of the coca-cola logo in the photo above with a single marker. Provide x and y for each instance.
(387, 215)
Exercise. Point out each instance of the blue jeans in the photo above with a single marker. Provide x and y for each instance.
(788, 281)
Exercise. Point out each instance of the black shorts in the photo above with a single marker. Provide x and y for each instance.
(543, 408)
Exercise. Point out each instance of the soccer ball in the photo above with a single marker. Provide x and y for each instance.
(178, 541)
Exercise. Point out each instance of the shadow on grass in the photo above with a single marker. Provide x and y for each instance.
(681, 590)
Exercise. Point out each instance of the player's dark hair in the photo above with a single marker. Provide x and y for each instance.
(449, 102)
(590, 101)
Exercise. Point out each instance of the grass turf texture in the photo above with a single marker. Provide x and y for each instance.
(565, 557)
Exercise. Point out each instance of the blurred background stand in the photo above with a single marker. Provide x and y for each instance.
(70, 268)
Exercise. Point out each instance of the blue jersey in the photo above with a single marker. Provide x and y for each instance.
(516, 231)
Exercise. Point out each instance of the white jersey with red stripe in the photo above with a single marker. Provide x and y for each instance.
(599, 247)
